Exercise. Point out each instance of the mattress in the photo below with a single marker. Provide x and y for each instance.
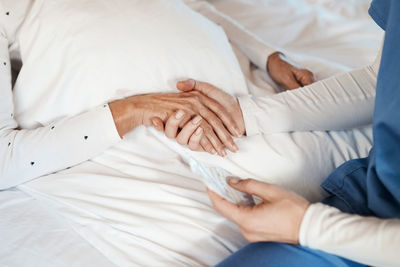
(154, 211)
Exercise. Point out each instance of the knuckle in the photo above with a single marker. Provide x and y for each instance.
(188, 105)
(228, 137)
(180, 141)
(206, 127)
(247, 183)
(209, 147)
(194, 99)
(169, 134)
(192, 146)
(206, 145)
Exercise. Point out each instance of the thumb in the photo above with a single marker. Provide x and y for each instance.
(202, 87)
(262, 190)
(158, 124)
(304, 76)
(186, 85)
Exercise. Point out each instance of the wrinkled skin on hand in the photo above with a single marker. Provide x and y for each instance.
(217, 123)
(193, 131)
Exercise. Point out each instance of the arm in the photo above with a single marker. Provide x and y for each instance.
(337, 103)
(252, 46)
(28, 154)
(283, 216)
(368, 240)
(283, 72)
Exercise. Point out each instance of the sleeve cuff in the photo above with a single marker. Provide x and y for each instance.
(102, 118)
(310, 222)
(262, 61)
(247, 105)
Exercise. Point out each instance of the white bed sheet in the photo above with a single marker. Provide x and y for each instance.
(138, 204)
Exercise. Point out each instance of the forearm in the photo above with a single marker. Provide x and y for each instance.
(252, 46)
(122, 114)
(29, 154)
(341, 102)
(368, 240)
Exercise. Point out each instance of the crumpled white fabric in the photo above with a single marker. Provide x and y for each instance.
(139, 204)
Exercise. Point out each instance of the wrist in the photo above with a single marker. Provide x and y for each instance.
(298, 219)
(272, 58)
(123, 114)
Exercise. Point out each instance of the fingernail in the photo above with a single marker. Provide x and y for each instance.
(190, 82)
(179, 114)
(198, 131)
(213, 151)
(237, 132)
(235, 147)
(197, 120)
(223, 153)
(154, 123)
(233, 180)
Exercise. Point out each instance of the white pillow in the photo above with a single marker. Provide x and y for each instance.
(79, 54)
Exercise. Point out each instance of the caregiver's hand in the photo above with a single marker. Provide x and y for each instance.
(276, 219)
(286, 74)
(139, 110)
(190, 133)
(229, 102)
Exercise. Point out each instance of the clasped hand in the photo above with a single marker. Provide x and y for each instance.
(214, 115)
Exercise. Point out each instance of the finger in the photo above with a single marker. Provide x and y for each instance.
(214, 140)
(158, 124)
(208, 92)
(192, 84)
(172, 124)
(207, 146)
(218, 127)
(195, 139)
(187, 85)
(188, 130)
(305, 77)
(291, 82)
(224, 207)
(226, 118)
(186, 118)
(263, 190)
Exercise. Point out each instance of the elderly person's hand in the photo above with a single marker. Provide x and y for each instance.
(286, 74)
(191, 132)
(276, 219)
(218, 124)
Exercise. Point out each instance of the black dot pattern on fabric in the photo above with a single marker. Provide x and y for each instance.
(7, 13)
(12, 114)
(32, 163)
(105, 105)
(9, 144)
(4, 63)
(52, 127)
(86, 137)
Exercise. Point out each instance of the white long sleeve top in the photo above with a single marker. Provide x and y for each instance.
(29, 154)
(341, 102)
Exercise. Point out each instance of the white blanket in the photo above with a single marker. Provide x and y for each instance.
(139, 204)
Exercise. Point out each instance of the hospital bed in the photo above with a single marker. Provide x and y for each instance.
(171, 222)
